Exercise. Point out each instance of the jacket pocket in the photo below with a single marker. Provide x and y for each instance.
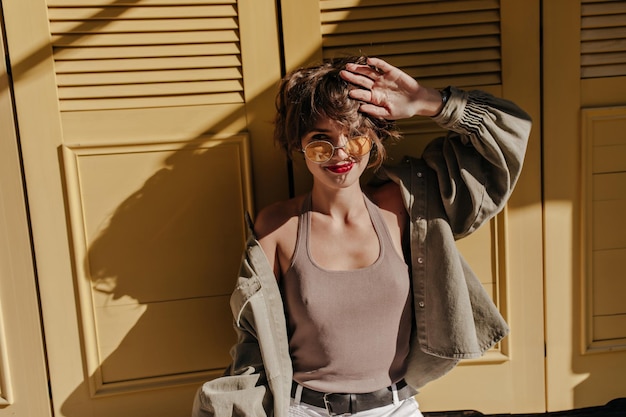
(231, 396)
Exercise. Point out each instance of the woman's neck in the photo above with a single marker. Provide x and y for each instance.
(338, 203)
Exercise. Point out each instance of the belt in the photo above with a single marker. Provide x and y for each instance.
(336, 403)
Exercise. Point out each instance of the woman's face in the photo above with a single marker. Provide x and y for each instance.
(343, 169)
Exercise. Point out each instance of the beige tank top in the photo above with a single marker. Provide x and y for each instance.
(349, 331)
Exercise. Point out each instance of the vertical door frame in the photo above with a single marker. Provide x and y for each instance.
(39, 123)
(23, 373)
(525, 207)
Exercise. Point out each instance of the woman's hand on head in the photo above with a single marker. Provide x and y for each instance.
(388, 92)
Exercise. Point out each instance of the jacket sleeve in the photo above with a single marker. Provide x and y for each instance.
(258, 381)
(478, 163)
(243, 389)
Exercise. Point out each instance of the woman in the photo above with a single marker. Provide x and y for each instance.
(350, 299)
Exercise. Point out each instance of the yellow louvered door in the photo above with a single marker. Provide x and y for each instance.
(488, 44)
(141, 125)
(585, 201)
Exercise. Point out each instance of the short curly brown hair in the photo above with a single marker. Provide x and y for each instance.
(307, 94)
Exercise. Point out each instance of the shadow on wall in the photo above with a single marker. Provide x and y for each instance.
(163, 261)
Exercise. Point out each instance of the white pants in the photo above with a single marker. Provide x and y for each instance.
(403, 408)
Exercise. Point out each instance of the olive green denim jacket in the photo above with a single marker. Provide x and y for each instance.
(461, 181)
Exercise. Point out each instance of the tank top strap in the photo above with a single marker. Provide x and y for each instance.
(384, 236)
(303, 229)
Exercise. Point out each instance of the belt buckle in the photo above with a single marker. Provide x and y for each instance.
(329, 405)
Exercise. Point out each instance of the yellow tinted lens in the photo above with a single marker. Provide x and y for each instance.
(318, 151)
(359, 146)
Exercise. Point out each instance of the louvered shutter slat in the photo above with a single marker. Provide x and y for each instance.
(133, 3)
(338, 24)
(138, 77)
(140, 26)
(614, 45)
(603, 21)
(440, 35)
(456, 69)
(602, 7)
(93, 13)
(147, 102)
(604, 59)
(122, 39)
(150, 64)
(150, 89)
(147, 51)
(604, 71)
(465, 47)
(601, 34)
(417, 6)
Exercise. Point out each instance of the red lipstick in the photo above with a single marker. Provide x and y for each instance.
(340, 169)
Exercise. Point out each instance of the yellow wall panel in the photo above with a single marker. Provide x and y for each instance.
(609, 329)
(610, 186)
(157, 235)
(165, 327)
(608, 292)
(607, 222)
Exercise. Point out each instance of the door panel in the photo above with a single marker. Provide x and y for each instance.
(494, 46)
(142, 124)
(136, 288)
(585, 180)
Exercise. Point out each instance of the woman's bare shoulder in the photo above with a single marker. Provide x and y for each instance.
(387, 196)
(276, 217)
(276, 228)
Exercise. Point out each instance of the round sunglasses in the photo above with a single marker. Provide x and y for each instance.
(320, 151)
